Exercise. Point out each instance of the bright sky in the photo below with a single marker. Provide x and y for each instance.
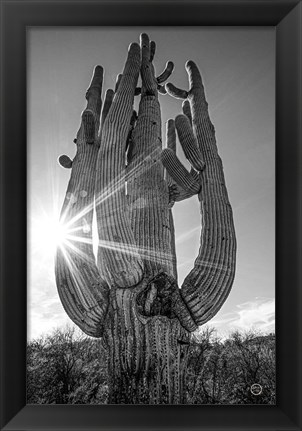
(238, 68)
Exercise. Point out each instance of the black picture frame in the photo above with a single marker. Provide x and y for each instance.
(16, 16)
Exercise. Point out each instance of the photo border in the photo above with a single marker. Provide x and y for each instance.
(16, 17)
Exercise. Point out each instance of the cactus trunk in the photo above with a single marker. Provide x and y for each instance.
(146, 355)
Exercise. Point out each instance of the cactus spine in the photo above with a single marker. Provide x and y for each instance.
(131, 297)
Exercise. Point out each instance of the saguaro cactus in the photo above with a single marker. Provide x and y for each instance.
(131, 297)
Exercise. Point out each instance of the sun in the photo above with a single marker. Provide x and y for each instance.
(47, 234)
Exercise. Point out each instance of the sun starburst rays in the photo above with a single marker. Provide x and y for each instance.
(74, 234)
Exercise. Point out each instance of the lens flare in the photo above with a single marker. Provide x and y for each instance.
(47, 234)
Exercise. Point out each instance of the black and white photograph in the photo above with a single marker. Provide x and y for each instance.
(151, 215)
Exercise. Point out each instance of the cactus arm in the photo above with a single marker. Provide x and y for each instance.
(116, 238)
(152, 50)
(176, 92)
(181, 183)
(84, 295)
(207, 286)
(107, 103)
(190, 146)
(151, 83)
(147, 192)
(178, 172)
(166, 73)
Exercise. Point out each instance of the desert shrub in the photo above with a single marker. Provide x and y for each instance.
(66, 367)
(223, 371)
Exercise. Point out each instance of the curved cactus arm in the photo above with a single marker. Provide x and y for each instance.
(176, 92)
(116, 238)
(181, 183)
(208, 284)
(84, 295)
(166, 73)
(148, 49)
(178, 172)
